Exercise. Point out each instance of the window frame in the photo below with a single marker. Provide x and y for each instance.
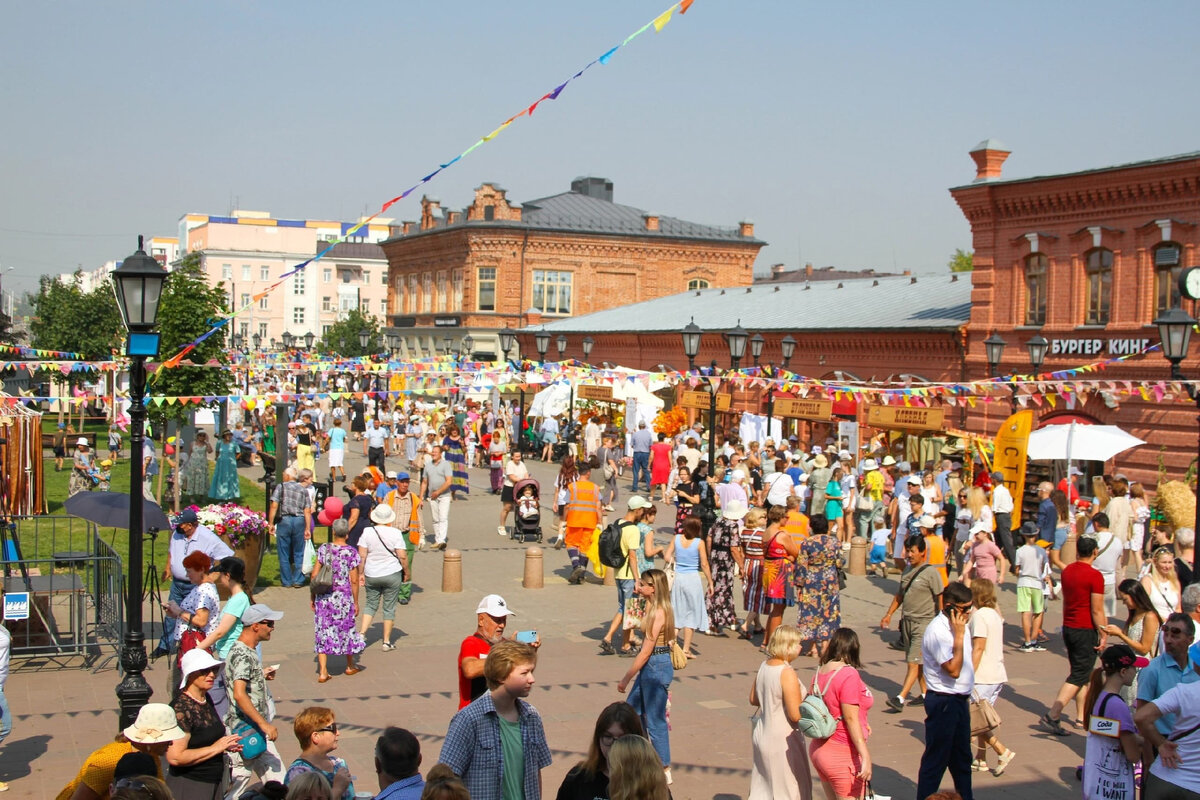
(696, 284)
(1097, 299)
(485, 285)
(550, 285)
(298, 315)
(1036, 297)
(1174, 297)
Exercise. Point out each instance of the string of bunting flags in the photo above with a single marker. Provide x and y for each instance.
(658, 23)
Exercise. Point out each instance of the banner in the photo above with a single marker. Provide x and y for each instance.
(1011, 443)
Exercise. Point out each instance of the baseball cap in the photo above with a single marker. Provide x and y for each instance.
(402, 476)
(914, 479)
(997, 475)
(1121, 656)
(260, 612)
(980, 525)
(926, 521)
(494, 606)
(391, 476)
(187, 515)
(637, 501)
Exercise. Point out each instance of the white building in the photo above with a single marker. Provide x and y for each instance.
(163, 249)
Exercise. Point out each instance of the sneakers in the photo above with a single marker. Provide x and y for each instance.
(576, 576)
(895, 703)
(1004, 762)
(609, 508)
(503, 531)
(440, 546)
(558, 543)
(1038, 647)
(1027, 647)
(388, 647)
(667, 772)
(919, 700)
(1052, 726)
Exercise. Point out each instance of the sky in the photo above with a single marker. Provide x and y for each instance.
(836, 127)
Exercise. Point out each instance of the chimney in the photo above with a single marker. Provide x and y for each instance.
(808, 270)
(746, 229)
(430, 209)
(453, 217)
(406, 227)
(988, 156)
(651, 221)
(599, 188)
(777, 270)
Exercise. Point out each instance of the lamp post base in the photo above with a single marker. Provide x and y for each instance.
(133, 692)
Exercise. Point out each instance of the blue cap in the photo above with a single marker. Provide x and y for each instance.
(61, 425)
(187, 515)
(403, 476)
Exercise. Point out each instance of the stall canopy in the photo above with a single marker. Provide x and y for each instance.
(554, 399)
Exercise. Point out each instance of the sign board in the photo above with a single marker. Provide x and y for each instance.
(804, 408)
(1092, 347)
(702, 400)
(447, 322)
(587, 391)
(16, 605)
(913, 419)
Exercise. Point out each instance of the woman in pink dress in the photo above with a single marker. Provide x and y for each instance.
(661, 462)
(984, 559)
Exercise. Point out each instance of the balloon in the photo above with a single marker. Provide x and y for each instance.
(323, 518)
(169, 450)
(245, 406)
(334, 506)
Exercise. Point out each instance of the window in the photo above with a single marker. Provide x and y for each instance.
(1099, 286)
(227, 272)
(1166, 277)
(244, 328)
(246, 272)
(485, 291)
(413, 294)
(1036, 271)
(326, 303)
(298, 283)
(456, 301)
(262, 332)
(383, 308)
(262, 303)
(298, 315)
(366, 276)
(366, 307)
(552, 291)
(441, 290)
(326, 275)
(399, 295)
(697, 283)
(427, 293)
(489, 213)
(383, 278)
(245, 300)
(264, 273)
(325, 330)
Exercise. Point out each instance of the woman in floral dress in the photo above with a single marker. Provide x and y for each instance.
(224, 486)
(334, 611)
(819, 602)
(723, 536)
(751, 551)
(194, 475)
(454, 450)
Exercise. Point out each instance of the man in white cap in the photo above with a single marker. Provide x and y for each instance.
(250, 699)
(631, 540)
(491, 617)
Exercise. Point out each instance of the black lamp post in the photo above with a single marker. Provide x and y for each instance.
(561, 344)
(446, 341)
(541, 340)
(737, 344)
(787, 346)
(273, 343)
(364, 340)
(468, 347)
(288, 340)
(309, 338)
(588, 344)
(756, 346)
(138, 283)
(691, 342)
(993, 347)
(1175, 332)
(691, 347)
(508, 340)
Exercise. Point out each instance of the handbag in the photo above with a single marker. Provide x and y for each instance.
(323, 583)
(678, 657)
(864, 502)
(254, 744)
(984, 716)
(188, 641)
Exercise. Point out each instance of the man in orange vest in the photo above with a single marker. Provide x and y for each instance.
(582, 519)
(408, 519)
(935, 546)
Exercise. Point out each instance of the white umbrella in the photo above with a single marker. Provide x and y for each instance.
(1075, 442)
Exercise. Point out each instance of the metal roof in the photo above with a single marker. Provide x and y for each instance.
(1112, 167)
(900, 303)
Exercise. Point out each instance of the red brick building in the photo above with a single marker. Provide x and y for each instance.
(495, 264)
(1087, 260)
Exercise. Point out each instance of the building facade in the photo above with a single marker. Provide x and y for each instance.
(1087, 260)
(248, 251)
(495, 264)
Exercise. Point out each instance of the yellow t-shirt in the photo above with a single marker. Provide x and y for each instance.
(97, 770)
(631, 540)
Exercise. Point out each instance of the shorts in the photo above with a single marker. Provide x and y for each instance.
(1030, 599)
(912, 634)
(1139, 536)
(1081, 653)
(878, 554)
(60, 452)
(624, 592)
(989, 691)
(1060, 538)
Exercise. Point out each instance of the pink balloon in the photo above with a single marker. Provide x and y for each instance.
(323, 518)
(169, 450)
(334, 506)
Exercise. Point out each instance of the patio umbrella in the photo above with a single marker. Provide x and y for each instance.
(1075, 442)
(111, 510)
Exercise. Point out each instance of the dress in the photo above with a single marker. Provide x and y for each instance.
(819, 602)
(777, 572)
(224, 484)
(1129, 693)
(722, 536)
(780, 770)
(202, 595)
(683, 509)
(194, 476)
(754, 600)
(661, 463)
(336, 633)
(687, 593)
(456, 454)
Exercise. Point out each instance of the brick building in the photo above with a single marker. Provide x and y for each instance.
(1087, 260)
(495, 264)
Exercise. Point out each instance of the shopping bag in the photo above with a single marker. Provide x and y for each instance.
(593, 555)
(310, 557)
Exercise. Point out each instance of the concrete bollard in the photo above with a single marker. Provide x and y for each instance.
(858, 556)
(533, 569)
(610, 576)
(452, 571)
(1068, 552)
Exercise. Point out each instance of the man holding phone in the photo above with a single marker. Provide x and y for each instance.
(950, 678)
(491, 619)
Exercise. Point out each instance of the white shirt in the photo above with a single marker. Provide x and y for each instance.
(1184, 702)
(1107, 561)
(1002, 500)
(517, 468)
(5, 652)
(779, 487)
(381, 558)
(937, 648)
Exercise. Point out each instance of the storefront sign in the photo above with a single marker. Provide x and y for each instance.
(913, 419)
(702, 400)
(592, 392)
(16, 605)
(446, 322)
(804, 409)
(1092, 347)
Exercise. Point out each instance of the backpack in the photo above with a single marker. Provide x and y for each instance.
(815, 720)
(609, 549)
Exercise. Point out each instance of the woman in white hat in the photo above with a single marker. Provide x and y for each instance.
(82, 467)
(385, 567)
(723, 538)
(152, 733)
(197, 758)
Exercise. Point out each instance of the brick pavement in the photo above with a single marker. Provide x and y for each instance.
(61, 714)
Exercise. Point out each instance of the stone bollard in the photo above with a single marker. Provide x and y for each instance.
(1067, 554)
(610, 576)
(533, 569)
(452, 571)
(858, 556)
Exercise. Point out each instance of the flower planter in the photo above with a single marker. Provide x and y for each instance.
(243, 529)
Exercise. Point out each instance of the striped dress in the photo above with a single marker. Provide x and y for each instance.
(456, 454)
(753, 597)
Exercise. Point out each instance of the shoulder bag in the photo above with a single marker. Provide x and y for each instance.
(403, 571)
(678, 657)
(984, 716)
(323, 583)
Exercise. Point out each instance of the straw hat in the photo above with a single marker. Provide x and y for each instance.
(383, 514)
(869, 464)
(734, 509)
(820, 461)
(155, 723)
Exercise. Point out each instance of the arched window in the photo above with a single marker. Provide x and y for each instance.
(1098, 267)
(697, 283)
(1037, 268)
(1167, 260)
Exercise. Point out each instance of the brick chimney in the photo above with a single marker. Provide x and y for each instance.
(651, 221)
(453, 217)
(746, 229)
(808, 270)
(777, 270)
(406, 227)
(430, 208)
(988, 156)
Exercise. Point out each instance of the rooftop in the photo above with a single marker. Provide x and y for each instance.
(941, 302)
(1111, 168)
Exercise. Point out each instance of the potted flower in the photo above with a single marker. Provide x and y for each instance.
(243, 529)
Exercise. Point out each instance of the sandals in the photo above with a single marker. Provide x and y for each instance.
(627, 652)
(606, 647)
(323, 679)
(352, 670)
(1005, 759)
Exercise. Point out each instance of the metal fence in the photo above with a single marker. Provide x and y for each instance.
(76, 589)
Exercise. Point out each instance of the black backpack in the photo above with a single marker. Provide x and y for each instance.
(609, 548)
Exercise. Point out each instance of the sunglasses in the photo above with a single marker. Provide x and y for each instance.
(330, 728)
(270, 623)
(963, 609)
(138, 786)
(607, 739)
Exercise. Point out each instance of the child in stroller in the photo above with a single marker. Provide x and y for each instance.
(527, 526)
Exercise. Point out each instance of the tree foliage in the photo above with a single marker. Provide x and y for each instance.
(342, 336)
(67, 318)
(961, 261)
(186, 311)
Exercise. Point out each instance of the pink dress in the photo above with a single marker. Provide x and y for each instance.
(985, 555)
(835, 758)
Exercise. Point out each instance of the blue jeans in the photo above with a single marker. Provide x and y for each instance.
(289, 541)
(649, 699)
(641, 465)
(947, 744)
(179, 590)
(5, 718)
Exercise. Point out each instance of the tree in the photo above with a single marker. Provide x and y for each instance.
(961, 261)
(67, 318)
(186, 311)
(342, 336)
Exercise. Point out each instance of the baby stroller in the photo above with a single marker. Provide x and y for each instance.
(526, 528)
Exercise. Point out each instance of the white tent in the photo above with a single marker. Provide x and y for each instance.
(641, 405)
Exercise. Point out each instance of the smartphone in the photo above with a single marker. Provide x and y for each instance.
(527, 637)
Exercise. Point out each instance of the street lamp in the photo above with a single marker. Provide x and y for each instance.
(993, 347)
(446, 341)
(394, 342)
(364, 340)
(257, 340)
(287, 340)
(1037, 347)
(691, 342)
(588, 344)
(468, 346)
(561, 344)
(308, 340)
(138, 283)
(508, 338)
(541, 340)
(756, 346)
(1175, 332)
(788, 346)
(737, 344)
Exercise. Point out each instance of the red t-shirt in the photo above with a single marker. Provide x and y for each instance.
(1079, 582)
(473, 646)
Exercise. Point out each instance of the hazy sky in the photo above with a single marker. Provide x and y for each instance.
(837, 127)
